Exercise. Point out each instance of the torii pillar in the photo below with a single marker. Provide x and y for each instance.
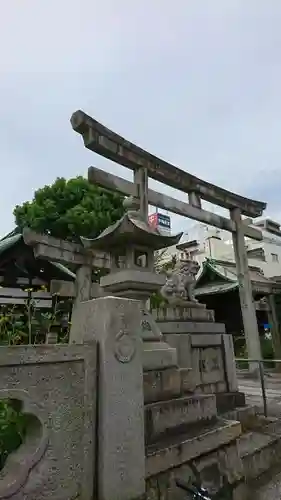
(245, 291)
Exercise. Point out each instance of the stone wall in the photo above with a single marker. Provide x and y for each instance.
(56, 386)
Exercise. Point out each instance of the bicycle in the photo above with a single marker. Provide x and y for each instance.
(197, 492)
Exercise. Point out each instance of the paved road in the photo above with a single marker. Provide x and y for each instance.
(252, 390)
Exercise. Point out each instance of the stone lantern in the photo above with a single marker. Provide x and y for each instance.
(131, 243)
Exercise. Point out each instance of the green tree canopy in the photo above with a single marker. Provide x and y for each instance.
(69, 209)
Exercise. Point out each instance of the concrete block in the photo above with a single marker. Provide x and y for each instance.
(211, 365)
(182, 343)
(56, 386)
(182, 449)
(186, 314)
(206, 340)
(174, 415)
(188, 382)
(220, 469)
(194, 327)
(230, 364)
(229, 400)
(161, 384)
(158, 355)
(259, 452)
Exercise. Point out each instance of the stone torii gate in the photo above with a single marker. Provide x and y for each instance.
(108, 144)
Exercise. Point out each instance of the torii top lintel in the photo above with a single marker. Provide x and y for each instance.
(108, 144)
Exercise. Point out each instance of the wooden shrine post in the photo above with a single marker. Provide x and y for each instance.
(108, 144)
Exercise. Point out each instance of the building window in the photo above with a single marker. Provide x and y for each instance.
(274, 257)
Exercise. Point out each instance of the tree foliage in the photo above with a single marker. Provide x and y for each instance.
(12, 429)
(69, 209)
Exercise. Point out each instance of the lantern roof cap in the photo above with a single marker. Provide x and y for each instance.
(131, 229)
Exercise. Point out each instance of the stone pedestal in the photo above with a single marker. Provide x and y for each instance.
(204, 351)
(157, 354)
(115, 324)
(183, 432)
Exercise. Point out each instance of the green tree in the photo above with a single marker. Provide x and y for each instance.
(69, 209)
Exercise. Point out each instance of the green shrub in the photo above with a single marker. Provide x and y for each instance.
(12, 428)
(267, 352)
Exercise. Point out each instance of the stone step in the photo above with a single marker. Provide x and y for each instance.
(175, 415)
(252, 421)
(245, 415)
(160, 385)
(227, 401)
(158, 356)
(259, 452)
(272, 426)
(199, 440)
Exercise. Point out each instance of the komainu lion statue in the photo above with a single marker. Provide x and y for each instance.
(179, 287)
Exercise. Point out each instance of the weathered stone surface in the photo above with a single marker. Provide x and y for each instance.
(180, 283)
(223, 466)
(259, 452)
(218, 471)
(216, 388)
(185, 448)
(163, 486)
(168, 416)
(115, 323)
(210, 357)
(57, 386)
(230, 365)
(158, 355)
(107, 143)
(229, 400)
(246, 415)
(182, 344)
(186, 314)
(194, 327)
(161, 384)
(188, 383)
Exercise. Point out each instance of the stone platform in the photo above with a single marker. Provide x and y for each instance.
(205, 349)
(174, 416)
(183, 431)
(195, 417)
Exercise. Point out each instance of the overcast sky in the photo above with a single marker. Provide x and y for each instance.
(197, 82)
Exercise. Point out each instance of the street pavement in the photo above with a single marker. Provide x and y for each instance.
(252, 390)
(271, 490)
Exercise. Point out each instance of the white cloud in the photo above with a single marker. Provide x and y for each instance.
(196, 82)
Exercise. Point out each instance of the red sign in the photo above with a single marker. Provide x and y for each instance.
(153, 220)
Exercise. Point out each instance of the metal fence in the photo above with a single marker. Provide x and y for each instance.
(260, 380)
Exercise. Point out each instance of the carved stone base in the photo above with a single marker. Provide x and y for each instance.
(176, 302)
(157, 354)
(176, 313)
